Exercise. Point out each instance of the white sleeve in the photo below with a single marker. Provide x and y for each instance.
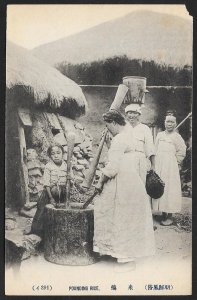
(180, 149)
(116, 153)
(157, 141)
(149, 145)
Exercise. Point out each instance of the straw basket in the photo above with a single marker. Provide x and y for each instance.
(137, 89)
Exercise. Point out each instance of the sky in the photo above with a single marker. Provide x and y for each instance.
(32, 25)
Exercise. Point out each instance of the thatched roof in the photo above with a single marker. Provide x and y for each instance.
(45, 85)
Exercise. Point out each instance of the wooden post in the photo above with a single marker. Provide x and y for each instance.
(24, 179)
(68, 236)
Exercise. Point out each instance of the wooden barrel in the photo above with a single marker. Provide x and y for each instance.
(68, 236)
(137, 89)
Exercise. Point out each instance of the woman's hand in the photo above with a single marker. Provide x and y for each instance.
(108, 139)
(152, 160)
(102, 180)
(179, 166)
(52, 201)
(99, 186)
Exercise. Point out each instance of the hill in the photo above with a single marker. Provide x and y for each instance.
(140, 35)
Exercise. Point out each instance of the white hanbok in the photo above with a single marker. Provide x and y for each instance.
(170, 151)
(144, 148)
(123, 226)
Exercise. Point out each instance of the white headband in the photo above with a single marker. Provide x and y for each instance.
(133, 107)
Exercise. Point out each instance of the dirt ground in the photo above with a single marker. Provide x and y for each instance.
(178, 237)
(170, 265)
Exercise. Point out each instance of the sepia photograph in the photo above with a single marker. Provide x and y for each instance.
(98, 150)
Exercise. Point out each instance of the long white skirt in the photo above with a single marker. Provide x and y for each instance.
(123, 226)
(166, 167)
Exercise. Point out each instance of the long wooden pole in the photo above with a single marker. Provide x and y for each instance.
(189, 115)
(70, 143)
(119, 97)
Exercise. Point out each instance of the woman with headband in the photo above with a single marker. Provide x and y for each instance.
(123, 226)
(144, 146)
(170, 152)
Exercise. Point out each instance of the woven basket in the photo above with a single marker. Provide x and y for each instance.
(154, 185)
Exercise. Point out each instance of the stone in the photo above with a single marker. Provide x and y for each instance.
(82, 162)
(14, 249)
(65, 156)
(78, 167)
(60, 139)
(78, 126)
(31, 154)
(74, 160)
(31, 243)
(89, 148)
(88, 136)
(28, 214)
(35, 172)
(85, 144)
(90, 154)
(19, 246)
(79, 173)
(78, 179)
(85, 172)
(10, 223)
(76, 149)
(65, 149)
(33, 164)
(30, 205)
(78, 155)
(87, 165)
(101, 165)
(98, 174)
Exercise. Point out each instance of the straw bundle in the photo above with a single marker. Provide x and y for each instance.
(48, 86)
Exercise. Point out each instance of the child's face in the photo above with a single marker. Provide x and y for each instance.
(56, 155)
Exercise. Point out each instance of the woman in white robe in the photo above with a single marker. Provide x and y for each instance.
(144, 146)
(123, 226)
(170, 152)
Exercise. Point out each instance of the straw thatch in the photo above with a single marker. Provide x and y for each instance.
(44, 85)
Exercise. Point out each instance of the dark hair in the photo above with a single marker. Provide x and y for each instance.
(171, 112)
(49, 150)
(114, 115)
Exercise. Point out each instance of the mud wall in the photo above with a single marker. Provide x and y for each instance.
(158, 101)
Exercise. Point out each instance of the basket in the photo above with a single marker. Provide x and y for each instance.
(154, 185)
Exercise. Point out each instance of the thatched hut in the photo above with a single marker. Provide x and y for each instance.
(41, 107)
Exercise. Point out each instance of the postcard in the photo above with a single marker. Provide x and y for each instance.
(98, 150)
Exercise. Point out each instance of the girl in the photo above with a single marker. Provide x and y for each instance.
(54, 191)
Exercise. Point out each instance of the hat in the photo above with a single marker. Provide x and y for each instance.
(133, 107)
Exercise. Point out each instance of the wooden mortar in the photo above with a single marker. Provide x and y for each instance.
(68, 235)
